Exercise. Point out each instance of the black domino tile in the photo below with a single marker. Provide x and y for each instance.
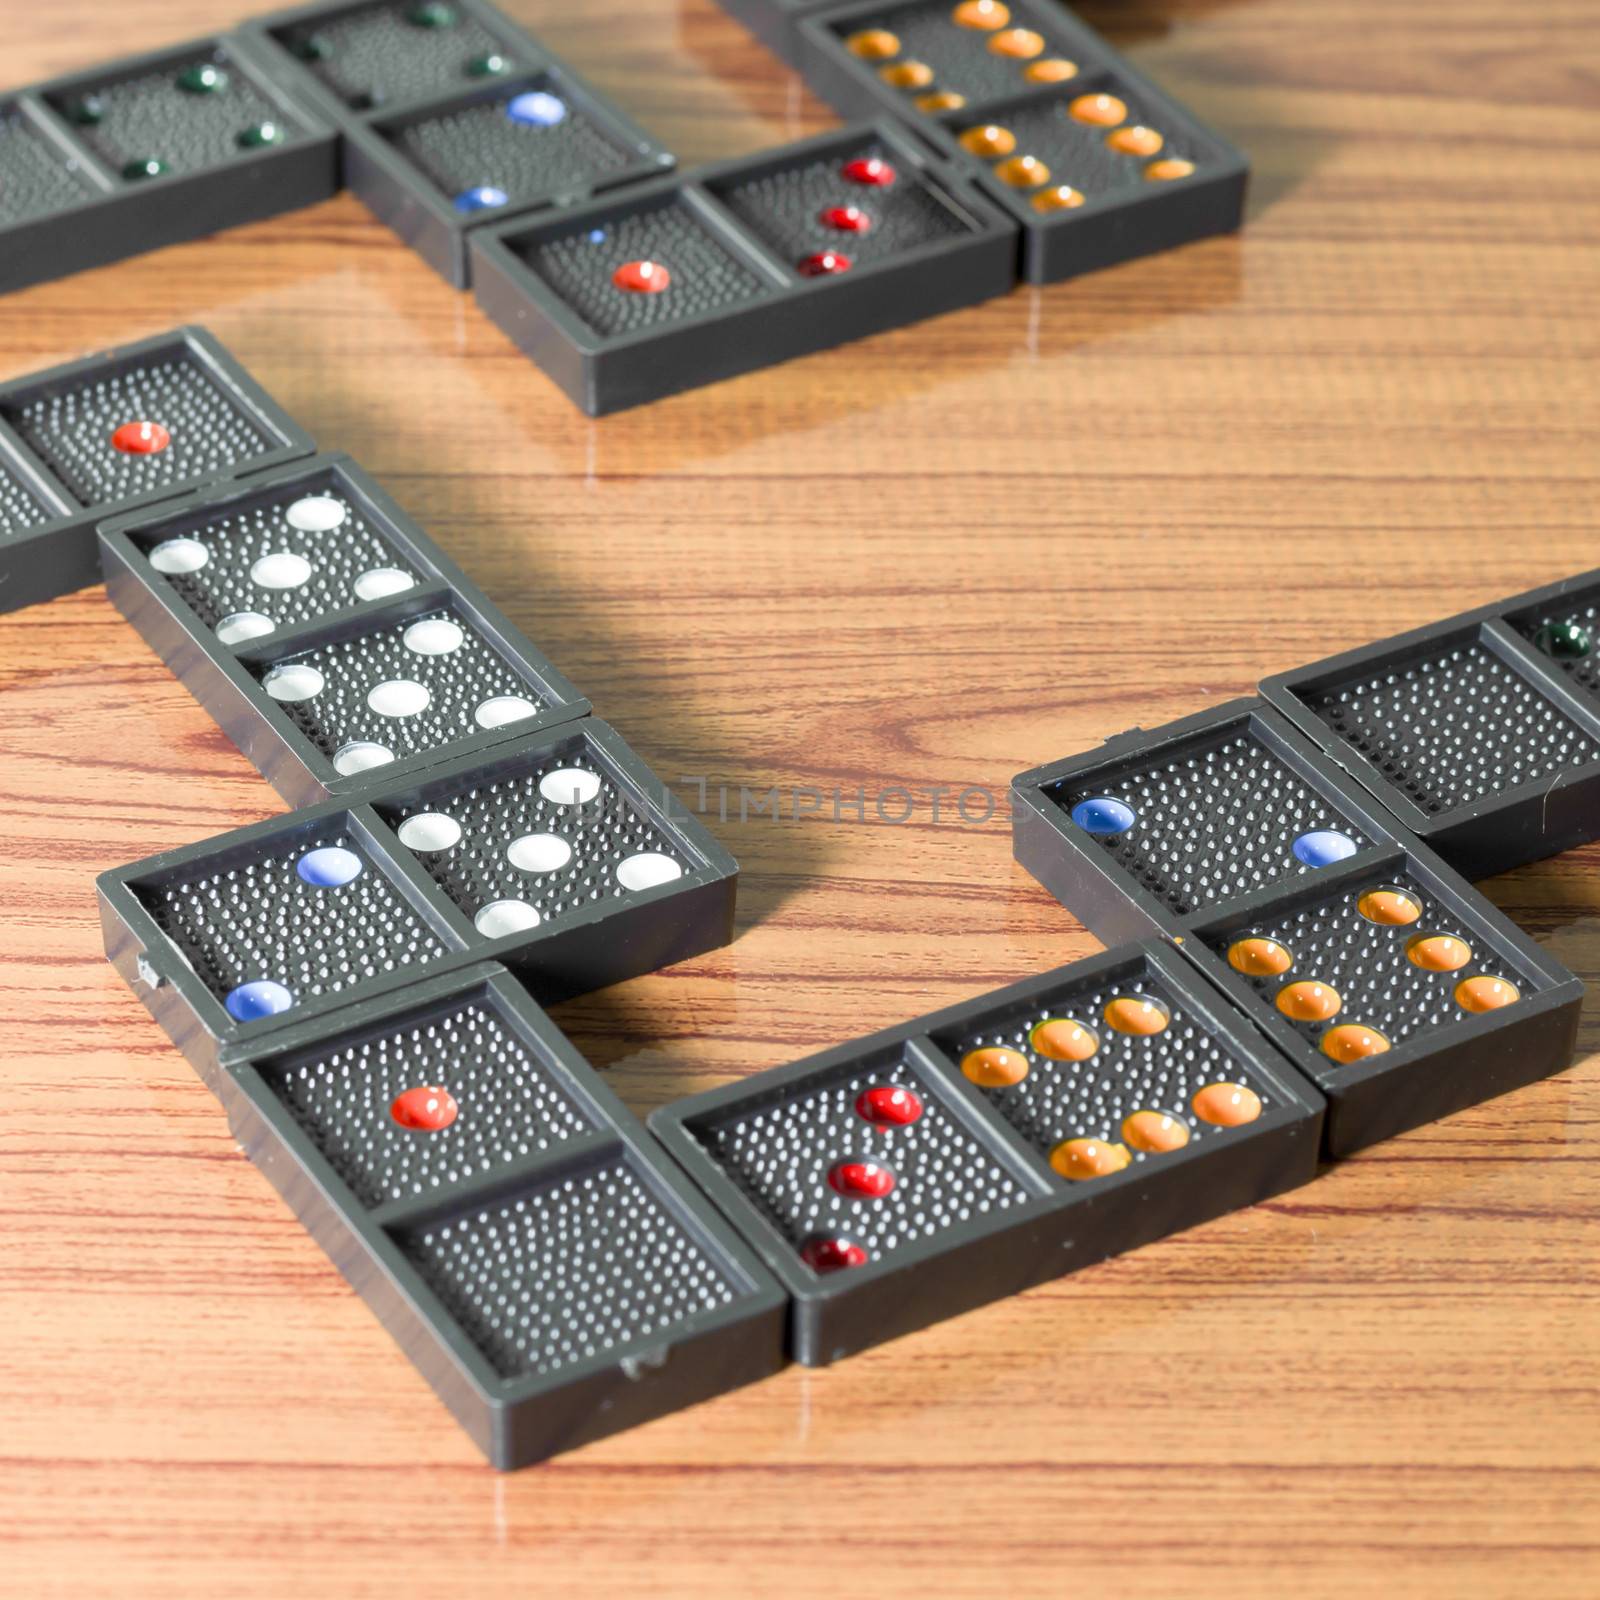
(420, 170)
(948, 81)
(152, 150)
(341, 654)
(558, 854)
(1466, 732)
(506, 1218)
(913, 1175)
(1397, 988)
(1203, 813)
(738, 242)
(66, 475)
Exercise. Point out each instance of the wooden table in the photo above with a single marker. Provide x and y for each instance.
(923, 561)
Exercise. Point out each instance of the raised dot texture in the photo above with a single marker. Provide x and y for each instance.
(246, 915)
(1453, 725)
(779, 1151)
(505, 1104)
(1218, 815)
(567, 1270)
(1133, 1087)
(1367, 962)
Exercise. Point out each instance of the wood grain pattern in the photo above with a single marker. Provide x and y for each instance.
(927, 560)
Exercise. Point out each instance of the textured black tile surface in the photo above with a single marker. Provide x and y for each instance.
(1397, 988)
(1466, 732)
(533, 1252)
(1204, 811)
